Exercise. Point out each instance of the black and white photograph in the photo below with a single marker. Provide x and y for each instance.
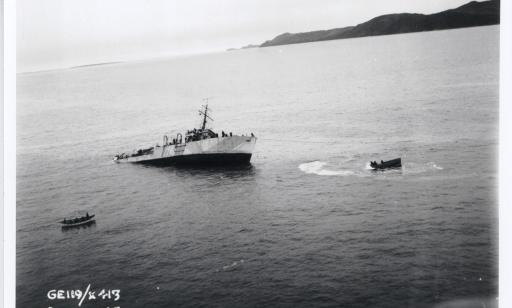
(290, 153)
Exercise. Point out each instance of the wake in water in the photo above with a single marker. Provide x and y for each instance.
(414, 168)
(231, 266)
(319, 168)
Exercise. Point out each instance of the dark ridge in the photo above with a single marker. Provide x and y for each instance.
(471, 14)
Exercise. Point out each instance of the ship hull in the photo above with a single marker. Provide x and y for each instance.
(216, 159)
(232, 150)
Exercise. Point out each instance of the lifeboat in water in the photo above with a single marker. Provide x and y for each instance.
(394, 163)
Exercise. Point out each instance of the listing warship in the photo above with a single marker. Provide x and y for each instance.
(200, 146)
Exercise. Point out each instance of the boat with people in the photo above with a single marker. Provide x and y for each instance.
(394, 163)
(199, 146)
(78, 221)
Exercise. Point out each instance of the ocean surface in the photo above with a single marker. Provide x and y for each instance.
(307, 224)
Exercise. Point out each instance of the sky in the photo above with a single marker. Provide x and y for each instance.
(62, 33)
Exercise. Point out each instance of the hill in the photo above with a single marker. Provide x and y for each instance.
(469, 15)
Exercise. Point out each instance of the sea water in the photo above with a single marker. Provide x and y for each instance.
(308, 224)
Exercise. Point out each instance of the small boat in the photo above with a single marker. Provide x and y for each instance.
(78, 221)
(394, 163)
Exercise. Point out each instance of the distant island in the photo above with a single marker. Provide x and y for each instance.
(95, 64)
(244, 47)
(471, 14)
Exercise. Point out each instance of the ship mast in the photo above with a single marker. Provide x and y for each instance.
(205, 115)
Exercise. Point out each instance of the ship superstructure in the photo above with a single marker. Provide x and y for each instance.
(197, 146)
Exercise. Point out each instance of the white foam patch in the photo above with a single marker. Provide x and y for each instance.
(415, 168)
(433, 165)
(233, 265)
(318, 168)
(368, 167)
